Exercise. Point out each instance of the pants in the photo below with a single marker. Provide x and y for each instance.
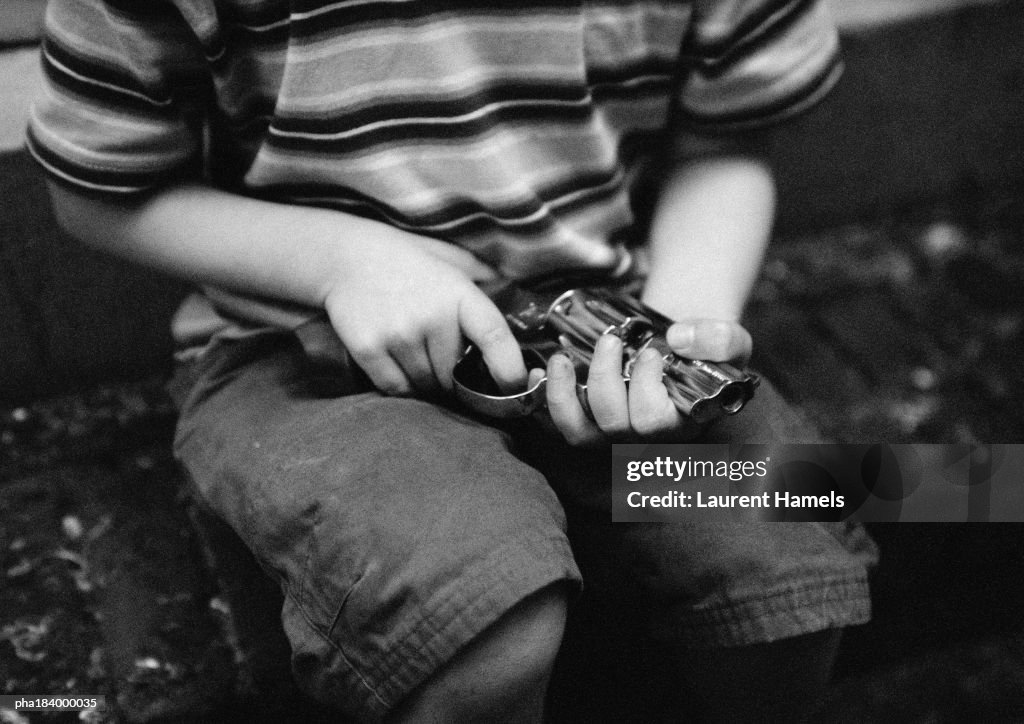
(399, 529)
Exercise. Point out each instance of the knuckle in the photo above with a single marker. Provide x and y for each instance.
(559, 400)
(604, 374)
(720, 329)
(719, 351)
(391, 387)
(716, 330)
(365, 348)
(561, 385)
(717, 340)
(652, 425)
(562, 389)
(580, 438)
(726, 340)
(400, 335)
(744, 344)
(573, 437)
(605, 382)
(493, 336)
(615, 426)
(645, 423)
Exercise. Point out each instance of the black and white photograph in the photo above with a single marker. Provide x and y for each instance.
(519, 361)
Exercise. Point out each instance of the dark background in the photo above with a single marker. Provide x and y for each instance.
(890, 308)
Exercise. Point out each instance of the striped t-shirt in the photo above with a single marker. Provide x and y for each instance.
(514, 128)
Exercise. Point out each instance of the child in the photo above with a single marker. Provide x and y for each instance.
(378, 159)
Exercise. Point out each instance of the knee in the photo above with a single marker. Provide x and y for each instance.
(502, 675)
(520, 648)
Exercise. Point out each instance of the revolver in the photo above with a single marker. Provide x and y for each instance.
(570, 322)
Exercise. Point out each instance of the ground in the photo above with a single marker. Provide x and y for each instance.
(909, 328)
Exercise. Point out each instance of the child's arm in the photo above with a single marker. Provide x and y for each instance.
(400, 302)
(707, 242)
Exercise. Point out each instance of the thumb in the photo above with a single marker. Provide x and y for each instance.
(714, 340)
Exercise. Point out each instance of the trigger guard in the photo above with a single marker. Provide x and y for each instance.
(471, 367)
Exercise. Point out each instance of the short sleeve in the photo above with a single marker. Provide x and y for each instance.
(120, 108)
(750, 63)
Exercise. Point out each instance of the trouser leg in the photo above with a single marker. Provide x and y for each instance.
(399, 530)
(663, 595)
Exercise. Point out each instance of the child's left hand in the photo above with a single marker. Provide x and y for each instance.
(642, 410)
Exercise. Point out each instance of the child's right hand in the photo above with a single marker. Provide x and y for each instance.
(406, 313)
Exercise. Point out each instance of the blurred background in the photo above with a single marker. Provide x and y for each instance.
(891, 308)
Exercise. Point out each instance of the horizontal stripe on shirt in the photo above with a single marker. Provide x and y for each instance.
(512, 127)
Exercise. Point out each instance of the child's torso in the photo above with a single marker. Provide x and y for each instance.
(511, 128)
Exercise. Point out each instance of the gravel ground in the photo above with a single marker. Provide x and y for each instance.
(909, 329)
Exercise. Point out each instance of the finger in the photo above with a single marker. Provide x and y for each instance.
(715, 340)
(484, 325)
(444, 347)
(651, 412)
(564, 406)
(606, 390)
(383, 371)
(414, 360)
